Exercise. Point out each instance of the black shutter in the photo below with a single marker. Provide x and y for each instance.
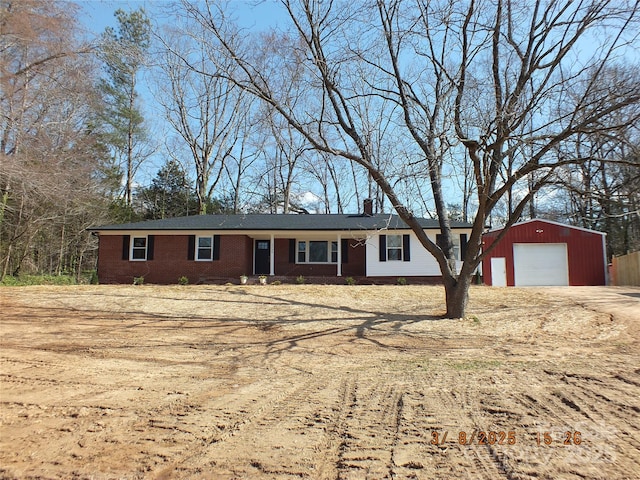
(191, 249)
(126, 239)
(216, 247)
(406, 252)
(292, 250)
(344, 250)
(383, 248)
(439, 240)
(150, 245)
(463, 245)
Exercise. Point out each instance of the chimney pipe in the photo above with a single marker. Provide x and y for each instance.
(368, 207)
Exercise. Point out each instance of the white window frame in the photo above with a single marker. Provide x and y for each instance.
(303, 255)
(133, 248)
(333, 251)
(399, 248)
(301, 251)
(198, 247)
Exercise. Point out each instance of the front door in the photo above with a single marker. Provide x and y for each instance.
(262, 259)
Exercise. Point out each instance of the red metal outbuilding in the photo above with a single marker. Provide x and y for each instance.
(542, 252)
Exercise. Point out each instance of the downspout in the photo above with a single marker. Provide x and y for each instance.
(271, 256)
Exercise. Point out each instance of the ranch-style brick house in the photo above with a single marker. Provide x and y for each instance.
(221, 248)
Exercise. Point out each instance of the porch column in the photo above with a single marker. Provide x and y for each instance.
(271, 257)
(339, 269)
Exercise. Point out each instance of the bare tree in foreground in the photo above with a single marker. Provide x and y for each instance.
(486, 78)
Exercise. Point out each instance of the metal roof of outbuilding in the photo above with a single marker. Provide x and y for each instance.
(542, 220)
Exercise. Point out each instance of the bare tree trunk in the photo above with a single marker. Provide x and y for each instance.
(336, 186)
(7, 260)
(457, 296)
(4, 202)
(532, 202)
(60, 267)
(202, 180)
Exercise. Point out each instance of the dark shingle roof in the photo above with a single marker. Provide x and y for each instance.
(276, 222)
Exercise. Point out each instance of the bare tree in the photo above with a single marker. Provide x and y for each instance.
(287, 148)
(49, 140)
(331, 174)
(204, 109)
(243, 157)
(486, 78)
(603, 192)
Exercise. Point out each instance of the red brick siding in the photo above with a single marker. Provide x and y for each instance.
(170, 261)
(584, 251)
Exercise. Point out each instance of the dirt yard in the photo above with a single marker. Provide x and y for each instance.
(318, 382)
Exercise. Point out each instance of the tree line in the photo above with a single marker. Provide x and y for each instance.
(482, 112)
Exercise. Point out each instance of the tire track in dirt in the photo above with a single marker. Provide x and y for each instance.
(371, 430)
(137, 396)
(144, 427)
(256, 416)
(432, 412)
(568, 428)
(388, 429)
(434, 422)
(330, 448)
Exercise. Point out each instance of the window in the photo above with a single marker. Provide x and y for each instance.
(205, 248)
(139, 248)
(456, 247)
(394, 247)
(302, 252)
(459, 243)
(317, 251)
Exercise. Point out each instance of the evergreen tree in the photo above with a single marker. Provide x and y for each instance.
(123, 53)
(169, 195)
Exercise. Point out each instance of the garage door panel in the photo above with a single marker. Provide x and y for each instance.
(540, 264)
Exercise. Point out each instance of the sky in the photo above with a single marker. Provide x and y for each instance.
(99, 14)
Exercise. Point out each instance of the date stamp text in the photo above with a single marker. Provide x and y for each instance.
(510, 437)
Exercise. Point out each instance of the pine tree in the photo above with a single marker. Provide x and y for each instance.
(123, 54)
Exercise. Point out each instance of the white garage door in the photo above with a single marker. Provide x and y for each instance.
(538, 264)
